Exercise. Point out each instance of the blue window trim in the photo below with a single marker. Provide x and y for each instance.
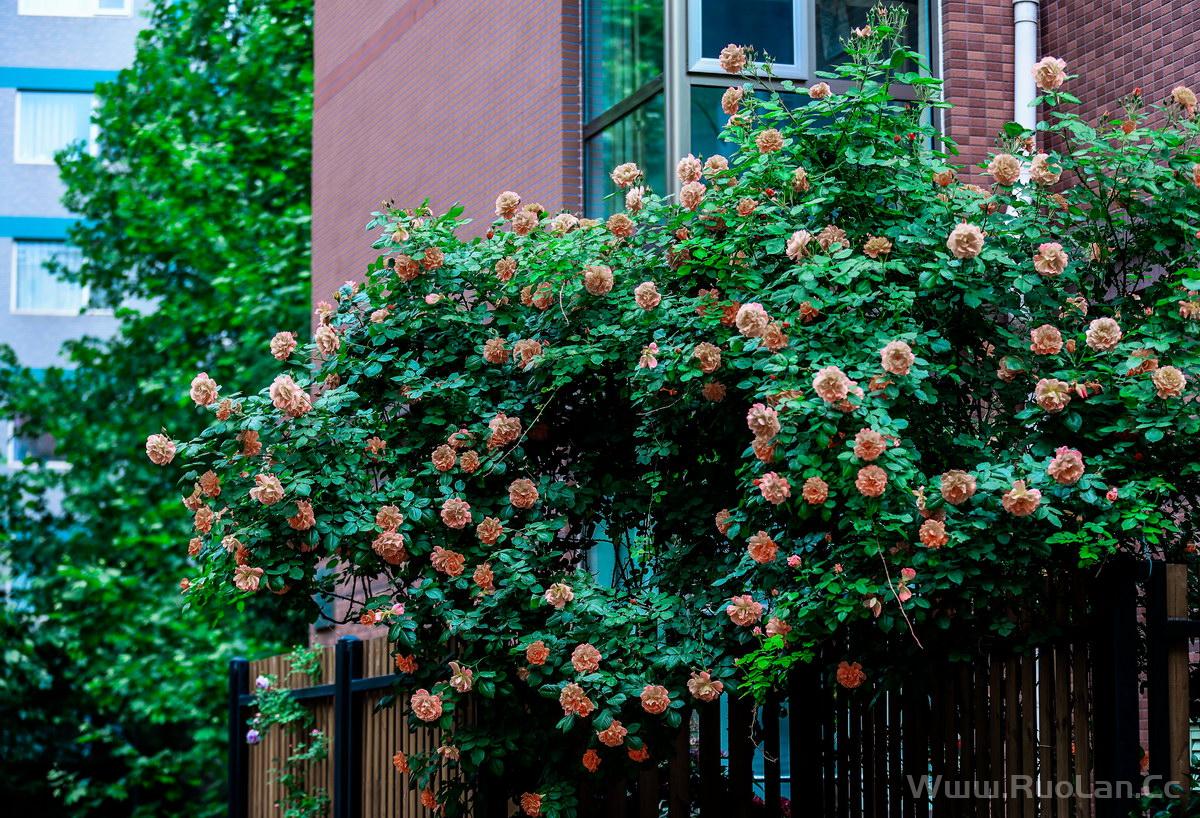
(53, 79)
(34, 227)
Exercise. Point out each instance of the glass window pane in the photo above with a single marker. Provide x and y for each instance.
(39, 290)
(707, 119)
(113, 5)
(623, 46)
(764, 24)
(837, 18)
(50, 121)
(30, 447)
(639, 137)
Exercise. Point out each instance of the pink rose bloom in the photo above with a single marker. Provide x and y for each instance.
(815, 491)
(831, 384)
(800, 183)
(598, 279)
(1067, 466)
(1103, 334)
(282, 345)
(732, 59)
(752, 320)
(688, 169)
(794, 561)
(1052, 394)
(531, 804)
(708, 356)
(933, 534)
(819, 91)
(762, 548)
(744, 611)
(1050, 260)
(426, 706)
(390, 547)
(731, 100)
(327, 340)
(649, 357)
(525, 222)
(246, 578)
(585, 658)
(769, 141)
(831, 235)
(559, 595)
(774, 339)
(635, 199)
(763, 421)
(267, 489)
(777, 627)
(448, 562)
(204, 390)
(723, 520)
(1021, 501)
(626, 175)
(1005, 168)
(522, 493)
(775, 489)
(1168, 382)
(716, 164)
(897, 358)
(507, 204)
(209, 484)
(495, 351)
(288, 397)
(613, 735)
(704, 687)
(537, 653)
(621, 225)
(304, 518)
(443, 458)
(871, 481)
(160, 449)
(713, 391)
(869, 445)
(563, 223)
(1046, 340)
(489, 531)
(1042, 172)
(204, 519)
(575, 702)
(1049, 73)
(460, 677)
(957, 487)
(965, 241)
(797, 245)
(388, 518)
(646, 295)
(1112, 494)
(691, 195)
(655, 699)
(877, 246)
(456, 513)
(505, 430)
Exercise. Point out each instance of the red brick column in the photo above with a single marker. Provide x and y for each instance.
(977, 59)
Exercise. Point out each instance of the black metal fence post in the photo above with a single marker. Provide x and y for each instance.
(347, 730)
(239, 751)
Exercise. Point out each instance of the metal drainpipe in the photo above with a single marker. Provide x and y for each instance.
(1025, 54)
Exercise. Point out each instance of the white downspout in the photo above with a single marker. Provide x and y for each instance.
(1025, 54)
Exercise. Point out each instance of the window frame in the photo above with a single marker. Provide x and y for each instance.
(13, 309)
(89, 9)
(802, 43)
(93, 129)
(10, 452)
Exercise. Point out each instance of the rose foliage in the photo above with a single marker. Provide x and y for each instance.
(829, 387)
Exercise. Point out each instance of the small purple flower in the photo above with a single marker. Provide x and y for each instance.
(262, 682)
(253, 736)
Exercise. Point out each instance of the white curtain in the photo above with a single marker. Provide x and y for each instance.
(38, 290)
(49, 121)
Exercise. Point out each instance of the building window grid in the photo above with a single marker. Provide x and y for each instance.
(75, 8)
(27, 149)
(19, 304)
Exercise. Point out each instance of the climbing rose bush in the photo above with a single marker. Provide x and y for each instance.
(837, 385)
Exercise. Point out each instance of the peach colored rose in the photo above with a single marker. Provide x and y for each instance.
(1042, 172)
(246, 578)
(591, 761)
(763, 421)
(877, 246)
(646, 295)
(815, 492)
(267, 489)
(507, 204)
(1052, 394)
(704, 687)
(585, 658)
(1049, 73)
(752, 320)
(897, 357)
(773, 338)
(390, 547)
(495, 351)
(732, 59)
(575, 702)
(559, 595)
(505, 269)
(713, 391)
(831, 384)
(957, 487)
(731, 100)
(746, 206)
(425, 705)
(1066, 467)
(1021, 501)
(443, 458)
(525, 222)
(563, 223)
(327, 341)
(715, 165)
(204, 390)
(831, 235)
(160, 449)
(869, 445)
(522, 493)
(965, 241)
(537, 653)
(446, 561)
(504, 430)
(744, 611)
(531, 804)
(1006, 372)
(1046, 340)
(469, 461)
(489, 531)
(282, 345)
(1005, 168)
(288, 397)
(1050, 260)
(820, 90)
(775, 489)
(304, 518)
(400, 762)
(204, 519)
(1103, 334)
(800, 182)
(626, 175)
(406, 267)
(691, 195)
(850, 675)
(762, 548)
(621, 225)
(769, 141)
(389, 518)
(723, 520)
(456, 513)
(871, 481)
(526, 351)
(689, 169)
(598, 279)
(1168, 382)
(944, 178)
(797, 245)
(933, 534)
(613, 735)
(1185, 98)
(708, 356)
(483, 578)
(655, 699)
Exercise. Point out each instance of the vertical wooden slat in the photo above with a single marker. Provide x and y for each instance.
(712, 795)
(1179, 765)
(1062, 725)
(1012, 728)
(879, 756)
(841, 739)
(999, 761)
(648, 790)
(854, 748)
(804, 739)
(741, 751)
(678, 797)
(614, 799)
(916, 742)
(1028, 733)
(827, 713)
(772, 783)
(937, 740)
(896, 784)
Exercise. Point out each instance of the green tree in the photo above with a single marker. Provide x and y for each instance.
(194, 224)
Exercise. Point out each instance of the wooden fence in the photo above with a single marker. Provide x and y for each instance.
(1004, 736)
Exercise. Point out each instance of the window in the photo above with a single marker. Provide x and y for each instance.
(75, 8)
(36, 289)
(21, 449)
(48, 121)
(774, 27)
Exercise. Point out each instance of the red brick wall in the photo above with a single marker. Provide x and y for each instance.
(1118, 45)
(977, 58)
(454, 100)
